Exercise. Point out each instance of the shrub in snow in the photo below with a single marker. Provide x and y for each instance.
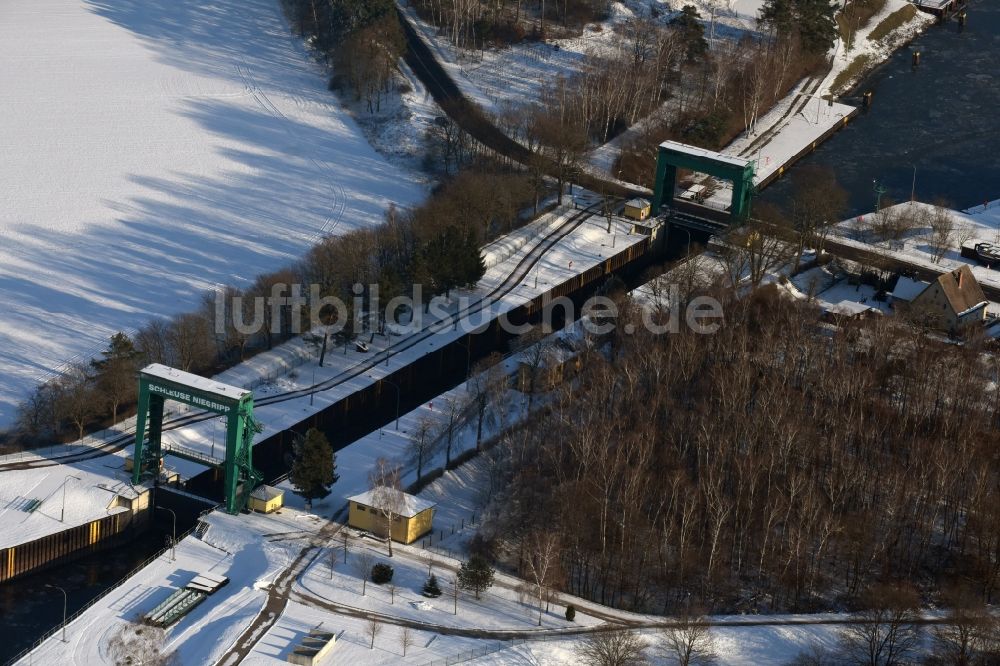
(431, 587)
(571, 612)
(381, 573)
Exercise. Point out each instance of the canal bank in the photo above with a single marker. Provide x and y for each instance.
(32, 605)
(594, 254)
(932, 130)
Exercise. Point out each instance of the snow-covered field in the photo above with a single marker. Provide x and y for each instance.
(152, 149)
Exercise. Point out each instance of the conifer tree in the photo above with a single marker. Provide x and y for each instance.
(115, 376)
(476, 575)
(314, 470)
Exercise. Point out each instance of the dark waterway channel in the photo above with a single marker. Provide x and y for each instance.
(942, 117)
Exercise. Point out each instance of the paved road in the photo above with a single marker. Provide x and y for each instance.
(471, 118)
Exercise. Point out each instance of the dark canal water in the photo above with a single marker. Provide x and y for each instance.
(942, 117)
(28, 608)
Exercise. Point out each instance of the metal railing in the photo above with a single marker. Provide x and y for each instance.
(69, 620)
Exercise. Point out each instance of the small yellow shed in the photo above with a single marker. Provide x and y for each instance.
(637, 209)
(412, 517)
(266, 499)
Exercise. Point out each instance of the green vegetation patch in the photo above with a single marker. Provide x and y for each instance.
(893, 21)
(857, 67)
(856, 16)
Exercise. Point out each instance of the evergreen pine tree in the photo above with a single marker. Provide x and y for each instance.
(115, 372)
(812, 20)
(692, 32)
(473, 264)
(476, 575)
(431, 587)
(314, 470)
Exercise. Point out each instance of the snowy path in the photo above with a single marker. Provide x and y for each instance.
(153, 149)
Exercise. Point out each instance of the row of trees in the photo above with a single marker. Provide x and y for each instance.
(764, 467)
(887, 632)
(435, 246)
(477, 23)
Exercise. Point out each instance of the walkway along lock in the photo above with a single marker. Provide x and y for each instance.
(159, 383)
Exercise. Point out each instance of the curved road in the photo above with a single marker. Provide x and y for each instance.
(471, 118)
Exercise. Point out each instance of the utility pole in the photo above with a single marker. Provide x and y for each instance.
(62, 512)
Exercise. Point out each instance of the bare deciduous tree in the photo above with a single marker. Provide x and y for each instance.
(689, 641)
(139, 644)
(373, 627)
(885, 632)
(388, 500)
(362, 563)
(612, 648)
(406, 638)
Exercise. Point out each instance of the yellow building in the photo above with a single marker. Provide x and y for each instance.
(412, 517)
(637, 209)
(265, 499)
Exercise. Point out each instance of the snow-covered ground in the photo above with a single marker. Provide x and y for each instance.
(501, 78)
(252, 550)
(587, 246)
(70, 495)
(981, 223)
(398, 128)
(876, 51)
(153, 149)
(233, 546)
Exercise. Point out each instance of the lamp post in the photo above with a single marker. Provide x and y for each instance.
(173, 539)
(65, 604)
(395, 386)
(687, 252)
(468, 351)
(62, 512)
(913, 187)
(879, 191)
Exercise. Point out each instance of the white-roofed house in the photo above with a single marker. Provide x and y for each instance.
(412, 517)
(907, 289)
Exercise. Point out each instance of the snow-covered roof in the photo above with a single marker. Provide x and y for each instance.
(637, 203)
(907, 289)
(693, 151)
(91, 488)
(196, 382)
(266, 493)
(849, 308)
(411, 505)
(969, 310)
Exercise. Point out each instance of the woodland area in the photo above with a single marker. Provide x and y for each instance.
(702, 96)
(777, 465)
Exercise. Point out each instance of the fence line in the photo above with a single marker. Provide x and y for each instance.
(427, 543)
(69, 620)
